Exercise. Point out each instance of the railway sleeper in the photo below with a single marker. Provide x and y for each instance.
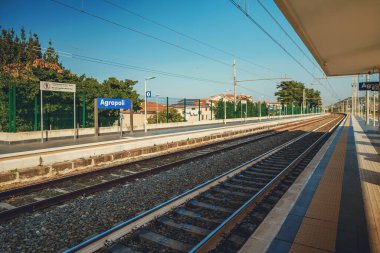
(184, 226)
(195, 215)
(210, 206)
(164, 241)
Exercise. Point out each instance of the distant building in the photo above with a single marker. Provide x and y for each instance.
(194, 109)
(230, 97)
(153, 107)
(273, 105)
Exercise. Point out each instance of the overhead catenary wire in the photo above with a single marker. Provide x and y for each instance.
(133, 67)
(146, 34)
(334, 94)
(188, 36)
(142, 69)
(258, 92)
(275, 41)
(270, 36)
(288, 35)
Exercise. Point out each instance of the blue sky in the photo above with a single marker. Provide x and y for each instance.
(218, 23)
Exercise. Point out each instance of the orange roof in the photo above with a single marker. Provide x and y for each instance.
(152, 107)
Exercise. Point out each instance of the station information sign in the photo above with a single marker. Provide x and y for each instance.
(53, 86)
(374, 86)
(114, 103)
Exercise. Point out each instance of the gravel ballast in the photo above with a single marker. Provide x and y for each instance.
(64, 226)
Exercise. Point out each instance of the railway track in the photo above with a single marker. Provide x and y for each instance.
(53, 192)
(198, 219)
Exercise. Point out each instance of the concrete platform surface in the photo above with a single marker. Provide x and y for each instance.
(50, 161)
(70, 141)
(334, 206)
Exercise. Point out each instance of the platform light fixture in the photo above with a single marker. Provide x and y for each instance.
(145, 109)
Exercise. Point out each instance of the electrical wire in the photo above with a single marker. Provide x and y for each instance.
(275, 41)
(146, 35)
(288, 35)
(189, 37)
(132, 67)
(258, 92)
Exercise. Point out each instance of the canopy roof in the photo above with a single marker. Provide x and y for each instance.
(342, 35)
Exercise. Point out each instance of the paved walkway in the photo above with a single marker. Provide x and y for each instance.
(338, 208)
(20, 147)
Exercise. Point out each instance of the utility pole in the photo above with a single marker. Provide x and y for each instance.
(234, 77)
(374, 108)
(303, 100)
(367, 104)
(353, 97)
(378, 107)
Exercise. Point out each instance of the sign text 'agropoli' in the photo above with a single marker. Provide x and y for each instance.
(114, 103)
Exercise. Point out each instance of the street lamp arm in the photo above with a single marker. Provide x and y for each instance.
(263, 79)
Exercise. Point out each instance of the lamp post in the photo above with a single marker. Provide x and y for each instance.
(145, 116)
(225, 106)
(292, 109)
(157, 95)
(260, 108)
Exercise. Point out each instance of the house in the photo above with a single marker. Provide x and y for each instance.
(194, 109)
(230, 97)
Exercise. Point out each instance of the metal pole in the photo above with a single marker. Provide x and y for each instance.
(378, 102)
(167, 109)
(241, 111)
(234, 73)
(131, 116)
(75, 119)
(211, 109)
(14, 108)
(199, 110)
(156, 109)
(367, 104)
(84, 109)
(260, 110)
(246, 112)
(42, 117)
(184, 109)
(292, 109)
(10, 109)
(121, 123)
(35, 113)
(225, 108)
(145, 109)
(374, 109)
(96, 117)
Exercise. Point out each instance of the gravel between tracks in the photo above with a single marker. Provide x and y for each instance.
(55, 228)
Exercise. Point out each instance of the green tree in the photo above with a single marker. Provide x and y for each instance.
(50, 54)
(252, 110)
(174, 116)
(58, 106)
(290, 92)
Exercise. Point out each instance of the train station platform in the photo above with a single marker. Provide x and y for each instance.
(334, 205)
(31, 161)
(70, 141)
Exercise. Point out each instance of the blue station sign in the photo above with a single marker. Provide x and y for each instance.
(374, 86)
(114, 103)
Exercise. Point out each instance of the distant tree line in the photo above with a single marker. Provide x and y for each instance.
(251, 109)
(23, 64)
(291, 92)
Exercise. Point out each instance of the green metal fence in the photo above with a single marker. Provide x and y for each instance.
(20, 110)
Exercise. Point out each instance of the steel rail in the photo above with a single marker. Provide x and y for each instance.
(98, 241)
(41, 204)
(211, 240)
(48, 183)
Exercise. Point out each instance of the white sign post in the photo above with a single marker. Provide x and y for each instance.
(61, 87)
(244, 102)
